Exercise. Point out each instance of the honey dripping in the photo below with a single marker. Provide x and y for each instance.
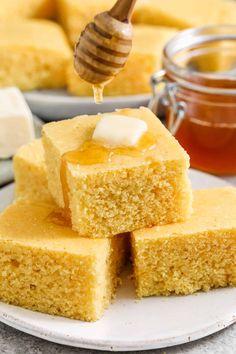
(92, 153)
(98, 93)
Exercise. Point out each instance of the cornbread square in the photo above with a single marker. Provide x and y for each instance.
(198, 254)
(33, 54)
(126, 193)
(74, 15)
(177, 13)
(30, 173)
(46, 267)
(145, 58)
(27, 8)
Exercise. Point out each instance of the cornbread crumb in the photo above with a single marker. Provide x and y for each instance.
(126, 193)
(144, 60)
(30, 173)
(48, 268)
(33, 54)
(198, 254)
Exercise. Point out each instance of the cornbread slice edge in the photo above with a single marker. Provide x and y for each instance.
(30, 173)
(48, 268)
(198, 254)
(109, 198)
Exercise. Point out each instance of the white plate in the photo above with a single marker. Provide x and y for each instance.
(131, 324)
(58, 104)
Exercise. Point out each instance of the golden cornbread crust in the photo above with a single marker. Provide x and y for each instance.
(46, 267)
(145, 58)
(123, 195)
(33, 54)
(30, 173)
(198, 254)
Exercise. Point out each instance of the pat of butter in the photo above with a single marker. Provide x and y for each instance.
(118, 130)
(16, 122)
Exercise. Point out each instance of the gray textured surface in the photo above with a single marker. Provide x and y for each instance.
(15, 342)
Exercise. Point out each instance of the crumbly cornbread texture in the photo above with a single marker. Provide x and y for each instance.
(198, 254)
(126, 193)
(27, 8)
(33, 54)
(74, 15)
(178, 13)
(30, 173)
(48, 268)
(144, 60)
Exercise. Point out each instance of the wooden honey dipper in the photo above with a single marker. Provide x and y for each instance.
(104, 46)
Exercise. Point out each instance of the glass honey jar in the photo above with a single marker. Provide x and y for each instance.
(195, 94)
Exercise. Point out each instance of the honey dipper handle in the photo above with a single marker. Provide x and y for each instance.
(122, 10)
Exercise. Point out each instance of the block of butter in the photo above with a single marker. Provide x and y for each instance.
(117, 130)
(16, 122)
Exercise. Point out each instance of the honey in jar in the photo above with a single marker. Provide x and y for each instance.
(200, 96)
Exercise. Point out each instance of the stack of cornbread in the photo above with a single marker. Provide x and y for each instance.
(37, 53)
(90, 189)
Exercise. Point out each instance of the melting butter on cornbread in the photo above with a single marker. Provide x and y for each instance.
(118, 131)
(113, 135)
(132, 190)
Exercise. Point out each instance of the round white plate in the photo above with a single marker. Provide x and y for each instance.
(58, 104)
(131, 324)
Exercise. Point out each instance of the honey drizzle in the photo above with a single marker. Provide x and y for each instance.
(98, 93)
(92, 153)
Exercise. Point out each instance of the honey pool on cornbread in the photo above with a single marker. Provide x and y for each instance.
(47, 268)
(198, 254)
(131, 189)
(93, 153)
